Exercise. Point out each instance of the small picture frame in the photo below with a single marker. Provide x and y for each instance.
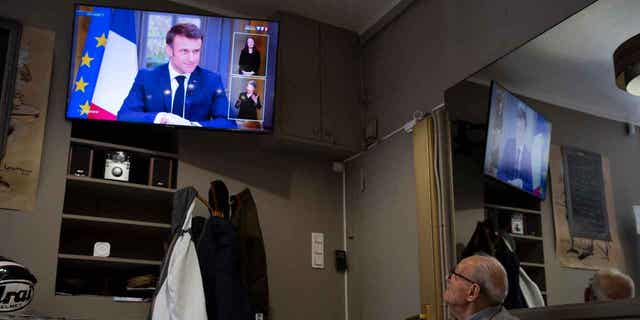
(517, 223)
(10, 32)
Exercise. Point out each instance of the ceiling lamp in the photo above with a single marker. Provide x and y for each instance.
(626, 63)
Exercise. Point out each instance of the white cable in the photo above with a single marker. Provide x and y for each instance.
(344, 240)
(407, 127)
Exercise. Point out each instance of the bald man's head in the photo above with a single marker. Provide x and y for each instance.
(491, 276)
(485, 272)
(611, 284)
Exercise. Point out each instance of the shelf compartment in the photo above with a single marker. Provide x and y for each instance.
(537, 273)
(86, 275)
(127, 241)
(532, 223)
(531, 251)
(117, 200)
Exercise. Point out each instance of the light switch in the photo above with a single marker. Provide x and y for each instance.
(318, 261)
(317, 250)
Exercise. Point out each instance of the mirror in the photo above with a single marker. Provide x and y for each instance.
(586, 220)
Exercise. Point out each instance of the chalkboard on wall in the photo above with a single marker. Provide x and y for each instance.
(584, 188)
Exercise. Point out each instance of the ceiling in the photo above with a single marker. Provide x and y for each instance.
(571, 65)
(356, 15)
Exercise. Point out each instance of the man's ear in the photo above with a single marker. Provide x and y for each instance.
(473, 293)
(169, 50)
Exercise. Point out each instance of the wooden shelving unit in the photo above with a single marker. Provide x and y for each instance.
(132, 216)
(501, 203)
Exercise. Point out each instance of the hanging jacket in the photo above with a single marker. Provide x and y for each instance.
(530, 291)
(226, 298)
(251, 254)
(482, 241)
(180, 293)
(511, 264)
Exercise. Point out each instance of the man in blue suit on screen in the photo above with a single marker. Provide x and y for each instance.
(179, 92)
(515, 165)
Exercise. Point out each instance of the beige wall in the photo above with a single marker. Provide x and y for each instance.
(383, 275)
(295, 195)
(408, 66)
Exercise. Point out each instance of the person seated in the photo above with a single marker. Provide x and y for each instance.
(609, 284)
(476, 290)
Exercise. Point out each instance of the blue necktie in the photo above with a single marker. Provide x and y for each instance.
(178, 98)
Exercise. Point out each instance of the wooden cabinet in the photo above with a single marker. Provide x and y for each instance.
(318, 97)
(299, 108)
(342, 111)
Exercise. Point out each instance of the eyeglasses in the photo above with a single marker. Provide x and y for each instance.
(461, 277)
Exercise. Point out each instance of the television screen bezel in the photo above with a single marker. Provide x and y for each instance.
(143, 124)
(484, 159)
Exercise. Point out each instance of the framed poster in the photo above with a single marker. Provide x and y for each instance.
(9, 42)
(20, 167)
(583, 210)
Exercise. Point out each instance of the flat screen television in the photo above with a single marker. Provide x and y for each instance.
(518, 141)
(175, 69)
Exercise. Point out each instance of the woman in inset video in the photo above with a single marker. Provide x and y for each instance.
(249, 63)
(248, 103)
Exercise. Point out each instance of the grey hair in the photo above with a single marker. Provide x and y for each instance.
(611, 284)
(492, 278)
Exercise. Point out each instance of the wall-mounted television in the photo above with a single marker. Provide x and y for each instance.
(518, 141)
(175, 69)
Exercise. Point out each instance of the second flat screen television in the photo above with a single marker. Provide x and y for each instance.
(518, 141)
(172, 69)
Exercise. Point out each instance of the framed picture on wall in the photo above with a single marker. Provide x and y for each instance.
(9, 47)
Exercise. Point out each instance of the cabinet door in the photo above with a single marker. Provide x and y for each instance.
(299, 109)
(342, 111)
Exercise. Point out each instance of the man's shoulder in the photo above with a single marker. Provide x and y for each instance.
(505, 315)
(153, 72)
(207, 74)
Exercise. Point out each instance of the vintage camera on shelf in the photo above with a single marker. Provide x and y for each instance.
(117, 166)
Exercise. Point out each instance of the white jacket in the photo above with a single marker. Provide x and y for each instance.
(181, 294)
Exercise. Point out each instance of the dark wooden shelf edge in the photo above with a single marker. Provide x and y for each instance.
(123, 147)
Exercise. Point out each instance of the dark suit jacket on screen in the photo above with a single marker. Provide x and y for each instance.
(206, 101)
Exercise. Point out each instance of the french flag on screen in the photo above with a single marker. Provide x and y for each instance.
(108, 65)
